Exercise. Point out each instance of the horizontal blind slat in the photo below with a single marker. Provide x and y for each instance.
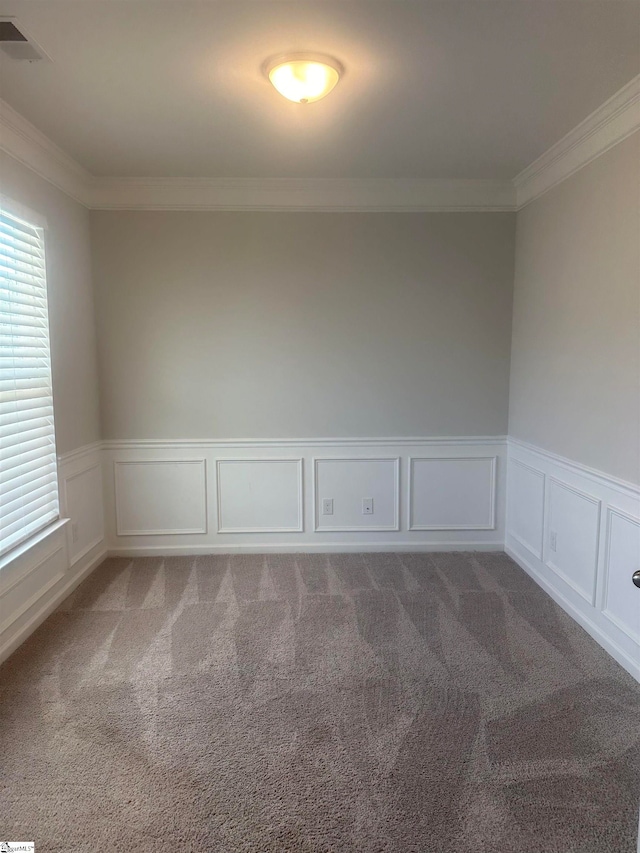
(25, 508)
(23, 490)
(15, 399)
(12, 445)
(14, 433)
(33, 464)
(21, 289)
(38, 473)
(24, 336)
(19, 225)
(24, 533)
(15, 380)
(12, 260)
(18, 417)
(7, 232)
(22, 325)
(28, 526)
(25, 493)
(21, 255)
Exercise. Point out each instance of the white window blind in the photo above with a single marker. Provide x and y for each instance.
(28, 471)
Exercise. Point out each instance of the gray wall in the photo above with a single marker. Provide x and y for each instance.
(71, 309)
(249, 325)
(575, 364)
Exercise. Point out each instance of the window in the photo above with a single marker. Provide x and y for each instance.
(28, 472)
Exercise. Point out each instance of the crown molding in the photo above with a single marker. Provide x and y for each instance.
(313, 194)
(612, 122)
(25, 143)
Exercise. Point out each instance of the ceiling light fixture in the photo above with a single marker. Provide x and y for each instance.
(303, 77)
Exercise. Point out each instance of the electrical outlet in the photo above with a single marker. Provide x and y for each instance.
(367, 506)
(553, 540)
(327, 506)
(74, 532)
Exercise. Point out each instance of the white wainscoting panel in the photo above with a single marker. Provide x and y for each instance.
(160, 497)
(590, 543)
(20, 593)
(571, 543)
(347, 482)
(264, 495)
(452, 494)
(260, 496)
(40, 573)
(525, 504)
(81, 500)
(620, 602)
(84, 506)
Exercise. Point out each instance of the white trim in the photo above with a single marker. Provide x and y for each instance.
(12, 643)
(77, 473)
(298, 529)
(94, 466)
(32, 541)
(384, 528)
(492, 509)
(39, 593)
(80, 452)
(232, 443)
(302, 194)
(23, 141)
(98, 541)
(22, 576)
(599, 477)
(164, 531)
(634, 637)
(632, 666)
(323, 547)
(519, 539)
(612, 122)
(546, 549)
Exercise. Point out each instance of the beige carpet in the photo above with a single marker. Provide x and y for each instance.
(406, 703)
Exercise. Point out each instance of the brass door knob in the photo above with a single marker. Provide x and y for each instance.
(635, 577)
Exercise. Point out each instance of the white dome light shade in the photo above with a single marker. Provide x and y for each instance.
(304, 79)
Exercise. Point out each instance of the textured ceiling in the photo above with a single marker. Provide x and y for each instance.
(448, 89)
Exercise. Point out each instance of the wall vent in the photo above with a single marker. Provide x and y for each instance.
(17, 44)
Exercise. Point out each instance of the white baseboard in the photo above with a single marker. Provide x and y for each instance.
(306, 548)
(579, 615)
(39, 610)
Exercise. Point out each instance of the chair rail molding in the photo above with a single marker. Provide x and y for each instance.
(234, 443)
